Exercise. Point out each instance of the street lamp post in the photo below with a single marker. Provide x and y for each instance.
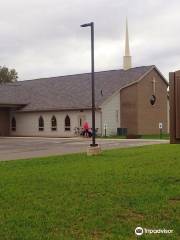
(92, 82)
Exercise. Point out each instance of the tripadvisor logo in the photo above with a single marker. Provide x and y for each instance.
(139, 231)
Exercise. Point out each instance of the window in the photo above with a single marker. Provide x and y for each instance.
(67, 123)
(80, 122)
(13, 124)
(41, 123)
(152, 99)
(53, 123)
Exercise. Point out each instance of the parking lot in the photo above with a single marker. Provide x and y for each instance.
(24, 148)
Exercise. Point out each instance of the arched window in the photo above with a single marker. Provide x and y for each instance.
(53, 123)
(67, 123)
(41, 123)
(80, 122)
(13, 124)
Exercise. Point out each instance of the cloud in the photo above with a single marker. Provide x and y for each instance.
(43, 38)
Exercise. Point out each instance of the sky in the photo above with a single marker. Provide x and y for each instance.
(43, 38)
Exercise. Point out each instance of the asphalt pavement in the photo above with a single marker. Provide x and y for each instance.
(12, 148)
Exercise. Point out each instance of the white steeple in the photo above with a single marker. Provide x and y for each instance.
(127, 58)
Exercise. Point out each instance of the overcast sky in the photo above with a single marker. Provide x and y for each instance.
(42, 38)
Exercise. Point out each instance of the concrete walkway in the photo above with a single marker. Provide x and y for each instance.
(12, 148)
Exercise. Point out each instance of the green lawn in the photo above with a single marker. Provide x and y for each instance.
(151, 136)
(163, 136)
(80, 197)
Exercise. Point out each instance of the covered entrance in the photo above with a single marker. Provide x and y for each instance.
(5, 121)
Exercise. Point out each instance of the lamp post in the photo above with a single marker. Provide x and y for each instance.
(91, 24)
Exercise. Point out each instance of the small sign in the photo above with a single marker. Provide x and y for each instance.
(105, 126)
(160, 125)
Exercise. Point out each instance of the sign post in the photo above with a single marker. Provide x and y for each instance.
(160, 129)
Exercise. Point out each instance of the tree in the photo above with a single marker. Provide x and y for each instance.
(8, 75)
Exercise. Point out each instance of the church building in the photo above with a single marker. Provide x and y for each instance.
(129, 100)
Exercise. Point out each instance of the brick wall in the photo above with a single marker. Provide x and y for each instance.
(137, 114)
(149, 115)
(128, 100)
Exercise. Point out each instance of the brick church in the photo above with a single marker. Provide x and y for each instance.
(133, 100)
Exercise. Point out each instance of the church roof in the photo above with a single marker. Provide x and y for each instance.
(69, 92)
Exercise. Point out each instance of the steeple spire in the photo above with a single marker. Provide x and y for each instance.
(127, 57)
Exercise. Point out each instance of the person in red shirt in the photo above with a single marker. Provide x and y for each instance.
(86, 129)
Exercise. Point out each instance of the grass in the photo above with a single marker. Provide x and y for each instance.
(91, 198)
(164, 136)
(151, 136)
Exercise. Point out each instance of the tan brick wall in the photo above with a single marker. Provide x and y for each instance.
(128, 101)
(137, 114)
(4, 122)
(149, 115)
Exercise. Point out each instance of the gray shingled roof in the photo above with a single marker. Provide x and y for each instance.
(68, 92)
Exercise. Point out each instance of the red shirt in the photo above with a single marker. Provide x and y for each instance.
(86, 126)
